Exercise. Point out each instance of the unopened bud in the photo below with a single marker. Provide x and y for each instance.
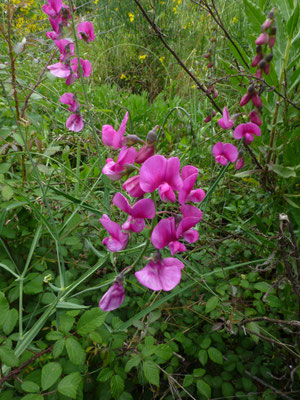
(207, 55)
(271, 13)
(215, 93)
(266, 25)
(258, 49)
(251, 89)
(210, 65)
(269, 57)
(273, 31)
(152, 135)
(132, 139)
(262, 64)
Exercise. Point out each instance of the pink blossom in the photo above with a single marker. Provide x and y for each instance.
(115, 170)
(239, 162)
(144, 153)
(186, 193)
(262, 39)
(65, 15)
(254, 118)
(52, 8)
(158, 172)
(166, 233)
(66, 49)
(132, 186)
(74, 123)
(246, 131)
(85, 64)
(60, 70)
(55, 25)
(225, 152)
(113, 298)
(141, 210)
(53, 35)
(112, 138)
(225, 122)
(117, 240)
(86, 31)
(71, 100)
(161, 275)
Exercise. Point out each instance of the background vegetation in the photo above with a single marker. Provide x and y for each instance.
(230, 329)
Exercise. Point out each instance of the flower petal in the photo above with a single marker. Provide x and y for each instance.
(152, 173)
(163, 233)
(113, 298)
(121, 202)
(230, 152)
(144, 208)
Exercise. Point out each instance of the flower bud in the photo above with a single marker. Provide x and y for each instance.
(152, 136)
(210, 65)
(262, 38)
(215, 93)
(210, 115)
(271, 13)
(132, 139)
(272, 41)
(245, 99)
(144, 153)
(267, 69)
(256, 100)
(266, 25)
(207, 55)
(256, 60)
(132, 187)
(254, 118)
(258, 73)
(262, 64)
(239, 163)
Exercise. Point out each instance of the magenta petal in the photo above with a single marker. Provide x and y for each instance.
(163, 275)
(248, 138)
(196, 196)
(116, 244)
(60, 70)
(74, 123)
(166, 193)
(68, 98)
(172, 176)
(121, 202)
(134, 224)
(225, 122)
(122, 129)
(188, 170)
(163, 233)
(132, 186)
(191, 235)
(112, 227)
(108, 134)
(152, 173)
(126, 156)
(191, 211)
(217, 149)
(144, 153)
(176, 247)
(86, 31)
(221, 160)
(186, 188)
(239, 131)
(253, 128)
(144, 208)
(230, 152)
(113, 298)
(86, 67)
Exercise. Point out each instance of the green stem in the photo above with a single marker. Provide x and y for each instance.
(275, 115)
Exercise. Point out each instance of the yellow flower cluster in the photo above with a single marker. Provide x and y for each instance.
(142, 57)
(27, 16)
(131, 17)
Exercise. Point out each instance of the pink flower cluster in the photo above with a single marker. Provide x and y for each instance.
(60, 17)
(226, 152)
(173, 184)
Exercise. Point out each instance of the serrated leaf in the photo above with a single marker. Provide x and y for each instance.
(203, 357)
(65, 322)
(30, 387)
(54, 335)
(132, 362)
(204, 388)
(69, 384)
(151, 372)
(105, 374)
(211, 304)
(50, 373)
(75, 351)
(58, 348)
(215, 355)
(116, 386)
(7, 192)
(262, 286)
(33, 397)
(10, 321)
(8, 357)
(252, 326)
(90, 320)
(164, 351)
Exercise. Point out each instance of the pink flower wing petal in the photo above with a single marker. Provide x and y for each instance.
(163, 233)
(230, 152)
(152, 173)
(113, 298)
(144, 208)
(217, 149)
(172, 176)
(121, 202)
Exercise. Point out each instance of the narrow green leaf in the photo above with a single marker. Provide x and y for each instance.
(292, 22)
(202, 355)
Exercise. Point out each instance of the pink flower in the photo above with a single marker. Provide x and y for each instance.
(55, 25)
(112, 138)
(142, 209)
(262, 39)
(161, 275)
(115, 170)
(225, 122)
(186, 193)
(254, 118)
(246, 131)
(132, 186)
(52, 8)
(225, 152)
(66, 49)
(158, 172)
(85, 64)
(71, 100)
(117, 240)
(74, 123)
(113, 298)
(166, 233)
(86, 31)
(256, 100)
(144, 153)
(60, 70)
(53, 35)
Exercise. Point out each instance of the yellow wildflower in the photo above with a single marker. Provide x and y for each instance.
(142, 57)
(123, 76)
(116, 9)
(193, 87)
(96, 1)
(234, 20)
(162, 59)
(131, 17)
